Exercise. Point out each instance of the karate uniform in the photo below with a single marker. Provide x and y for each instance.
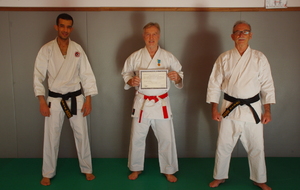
(241, 77)
(65, 74)
(148, 112)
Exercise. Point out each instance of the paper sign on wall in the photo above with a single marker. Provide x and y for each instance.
(271, 4)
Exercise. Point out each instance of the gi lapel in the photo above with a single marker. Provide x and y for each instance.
(147, 61)
(238, 68)
(156, 61)
(66, 64)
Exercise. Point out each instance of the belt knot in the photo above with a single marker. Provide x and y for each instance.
(239, 102)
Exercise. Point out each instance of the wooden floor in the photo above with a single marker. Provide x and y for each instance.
(111, 174)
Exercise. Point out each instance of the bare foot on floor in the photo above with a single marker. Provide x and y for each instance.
(45, 181)
(216, 182)
(263, 186)
(90, 177)
(134, 175)
(171, 178)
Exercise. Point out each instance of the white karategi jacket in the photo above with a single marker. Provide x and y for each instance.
(64, 75)
(141, 60)
(241, 77)
(153, 113)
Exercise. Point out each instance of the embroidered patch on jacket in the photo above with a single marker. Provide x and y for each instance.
(77, 54)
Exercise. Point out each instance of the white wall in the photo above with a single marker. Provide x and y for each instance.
(139, 3)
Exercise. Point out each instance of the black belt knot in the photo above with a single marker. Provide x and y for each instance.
(63, 103)
(237, 101)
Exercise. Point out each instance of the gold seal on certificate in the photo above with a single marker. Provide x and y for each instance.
(153, 79)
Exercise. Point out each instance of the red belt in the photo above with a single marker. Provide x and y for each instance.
(156, 99)
(163, 96)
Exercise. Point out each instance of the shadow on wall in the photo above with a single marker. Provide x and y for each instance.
(129, 45)
(199, 62)
(198, 65)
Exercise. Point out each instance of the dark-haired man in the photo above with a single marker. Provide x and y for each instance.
(71, 84)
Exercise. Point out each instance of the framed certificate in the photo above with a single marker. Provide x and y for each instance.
(153, 79)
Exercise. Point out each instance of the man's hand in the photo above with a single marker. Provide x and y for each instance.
(44, 109)
(174, 76)
(266, 116)
(215, 113)
(87, 106)
(134, 81)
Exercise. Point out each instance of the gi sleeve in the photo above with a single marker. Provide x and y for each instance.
(215, 82)
(40, 71)
(265, 78)
(176, 66)
(87, 77)
(128, 71)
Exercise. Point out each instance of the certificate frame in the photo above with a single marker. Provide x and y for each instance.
(153, 79)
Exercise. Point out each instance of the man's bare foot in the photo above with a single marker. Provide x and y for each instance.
(171, 178)
(90, 177)
(216, 182)
(263, 186)
(45, 181)
(134, 175)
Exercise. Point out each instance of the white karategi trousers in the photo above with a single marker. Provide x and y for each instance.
(251, 136)
(152, 113)
(53, 127)
(164, 132)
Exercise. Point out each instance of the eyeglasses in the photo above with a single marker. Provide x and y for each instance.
(238, 32)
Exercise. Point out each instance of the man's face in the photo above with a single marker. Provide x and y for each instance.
(240, 36)
(151, 37)
(64, 28)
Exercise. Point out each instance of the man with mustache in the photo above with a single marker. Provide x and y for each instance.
(244, 75)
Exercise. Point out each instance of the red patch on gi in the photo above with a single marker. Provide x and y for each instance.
(77, 54)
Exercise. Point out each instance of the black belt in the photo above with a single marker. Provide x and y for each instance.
(236, 102)
(63, 103)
